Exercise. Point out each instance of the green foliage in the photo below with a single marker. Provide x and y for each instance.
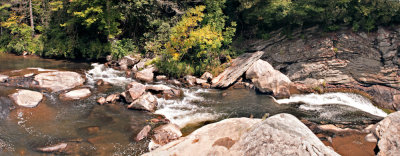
(196, 42)
(121, 48)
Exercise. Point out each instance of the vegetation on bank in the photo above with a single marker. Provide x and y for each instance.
(185, 36)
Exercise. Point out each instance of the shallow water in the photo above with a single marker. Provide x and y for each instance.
(109, 129)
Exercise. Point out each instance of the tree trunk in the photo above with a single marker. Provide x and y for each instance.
(31, 15)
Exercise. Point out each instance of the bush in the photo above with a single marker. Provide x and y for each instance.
(121, 48)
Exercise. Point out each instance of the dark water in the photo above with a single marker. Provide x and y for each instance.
(109, 129)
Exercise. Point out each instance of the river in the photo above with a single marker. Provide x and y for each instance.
(109, 129)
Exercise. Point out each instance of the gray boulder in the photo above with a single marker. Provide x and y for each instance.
(237, 69)
(60, 80)
(388, 133)
(27, 98)
(268, 80)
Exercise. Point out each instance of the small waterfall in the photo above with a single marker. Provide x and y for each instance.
(315, 101)
(185, 111)
(109, 75)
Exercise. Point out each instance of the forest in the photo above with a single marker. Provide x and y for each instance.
(183, 36)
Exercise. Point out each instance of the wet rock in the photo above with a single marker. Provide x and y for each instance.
(190, 80)
(161, 78)
(100, 82)
(101, 100)
(135, 91)
(166, 133)
(76, 94)
(200, 81)
(27, 98)
(281, 134)
(146, 75)
(370, 138)
(143, 133)
(146, 102)
(238, 68)
(3, 78)
(112, 98)
(388, 133)
(60, 80)
(73, 148)
(268, 80)
(157, 88)
(59, 148)
(207, 76)
(167, 92)
(205, 85)
(334, 129)
(212, 139)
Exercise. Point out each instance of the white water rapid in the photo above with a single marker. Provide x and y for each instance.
(316, 101)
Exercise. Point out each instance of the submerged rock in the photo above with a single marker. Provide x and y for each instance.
(145, 102)
(388, 133)
(27, 98)
(268, 80)
(238, 67)
(76, 94)
(60, 80)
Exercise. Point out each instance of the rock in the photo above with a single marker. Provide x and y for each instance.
(190, 80)
(207, 76)
(157, 88)
(112, 98)
(166, 133)
(135, 91)
(268, 80)
(59, 148)
(3, 78)
(167, 92)
(200, 81)
(388, 133)
(205, 85)
(146, 75)
(27, 98)
(76, 94)
(128, 61)
(100, 82)
(370, 138)
(60, 80)
(238, 67)
(69, 148)
(334, 129)
(161, 78)
(211, 139)
(101, 100)
(174, 82)
(109, 58)
(146, 102)
(143, 133)
(281, 134)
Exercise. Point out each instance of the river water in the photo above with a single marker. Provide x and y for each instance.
(109, 129)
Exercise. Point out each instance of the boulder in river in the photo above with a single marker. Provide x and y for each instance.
(165, 91)
(76, 94)
(135, 91)
(281, 134)
(112, 98)
(143, 133)
(207, 76)
(27, 98)
(59, 80)
(128, 61)
(145, 75)
(238, 67)
(388, 133)
(268, 80)
(166, 133)
(3, 78)
(146, 102)
(101, 100)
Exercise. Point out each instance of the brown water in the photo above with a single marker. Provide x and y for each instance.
(109, 130)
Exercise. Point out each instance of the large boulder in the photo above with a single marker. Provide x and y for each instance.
(268, 80)
(76, 94)
(145, 75)
(388, 133)
(212, 139)
(146, 102)
(237, 68)
(281, 134)
(164, 134)
(3, 78)
(27, 98)
(60, 80)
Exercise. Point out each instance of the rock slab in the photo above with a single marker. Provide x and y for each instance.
(238, 68)
(60, 80)
(388, 133)
(76, 94)
(27, 98)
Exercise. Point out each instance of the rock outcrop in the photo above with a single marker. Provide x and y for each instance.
(238, 67)
(27, 98)
(76, 94)
(282, 134)
(60, 80)
(268, 80)
(388, 133)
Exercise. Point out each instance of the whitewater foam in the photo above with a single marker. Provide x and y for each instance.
(109, 75)
(315, 101)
